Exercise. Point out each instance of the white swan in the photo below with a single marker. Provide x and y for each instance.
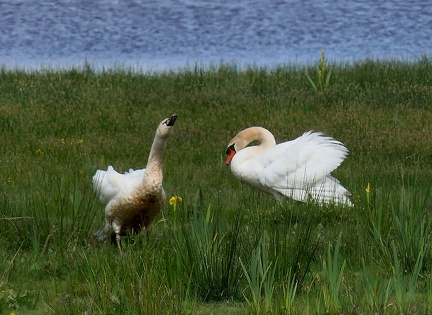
(299, 169)
(135, 198)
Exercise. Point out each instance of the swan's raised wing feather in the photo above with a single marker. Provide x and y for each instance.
(108, 184)
(302, 162)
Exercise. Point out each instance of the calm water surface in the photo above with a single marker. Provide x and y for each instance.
(160, 35)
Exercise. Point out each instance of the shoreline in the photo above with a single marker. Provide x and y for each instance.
(181, 65)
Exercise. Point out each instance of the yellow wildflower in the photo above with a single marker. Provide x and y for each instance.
(368, 188)
(175, 199)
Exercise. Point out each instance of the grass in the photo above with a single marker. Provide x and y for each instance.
(226, 248)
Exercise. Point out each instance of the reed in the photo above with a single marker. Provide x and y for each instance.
(260, 275)
(333, 272)
(207, 249)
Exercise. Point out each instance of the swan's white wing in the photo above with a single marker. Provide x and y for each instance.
(108, 184)
(301, 163)
(135, 176)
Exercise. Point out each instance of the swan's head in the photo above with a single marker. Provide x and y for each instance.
(165, 128)
(236, 144)
(245, 137)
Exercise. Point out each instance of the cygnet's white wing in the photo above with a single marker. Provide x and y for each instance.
(301, 163)
(109, 184)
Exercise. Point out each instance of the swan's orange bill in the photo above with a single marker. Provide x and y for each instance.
(231, 154)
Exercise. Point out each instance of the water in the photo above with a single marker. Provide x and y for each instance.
(161, 35)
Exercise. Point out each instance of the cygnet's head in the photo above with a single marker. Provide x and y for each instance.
(165, 128)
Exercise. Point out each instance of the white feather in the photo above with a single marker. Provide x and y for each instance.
(110, 184)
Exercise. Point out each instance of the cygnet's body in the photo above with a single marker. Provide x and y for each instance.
(135, 198)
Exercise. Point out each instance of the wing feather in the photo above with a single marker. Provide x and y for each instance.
(301, 163)
(108, 184)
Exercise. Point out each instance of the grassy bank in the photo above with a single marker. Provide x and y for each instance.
(226, 249)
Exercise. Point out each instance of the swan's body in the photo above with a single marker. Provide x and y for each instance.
(135, 198)
(299, 169)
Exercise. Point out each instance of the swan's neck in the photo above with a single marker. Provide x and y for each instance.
(154, 164)
(262, 135)
(265, 138)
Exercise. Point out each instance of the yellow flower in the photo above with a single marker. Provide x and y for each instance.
(175, 199)
(80, 141)
(368, 188)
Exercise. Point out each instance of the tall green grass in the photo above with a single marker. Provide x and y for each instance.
(226, 248)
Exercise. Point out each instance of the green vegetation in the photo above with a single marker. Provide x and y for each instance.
(225, 248)
(322, 75)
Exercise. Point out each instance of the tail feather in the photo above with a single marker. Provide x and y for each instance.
(328, 191)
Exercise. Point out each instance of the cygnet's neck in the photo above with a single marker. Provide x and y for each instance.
(155, 160)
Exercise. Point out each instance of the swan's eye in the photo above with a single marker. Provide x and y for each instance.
(230, 148)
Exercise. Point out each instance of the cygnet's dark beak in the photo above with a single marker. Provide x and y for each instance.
(170, 122)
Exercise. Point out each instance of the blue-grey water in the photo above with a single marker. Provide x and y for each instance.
(169, 34)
